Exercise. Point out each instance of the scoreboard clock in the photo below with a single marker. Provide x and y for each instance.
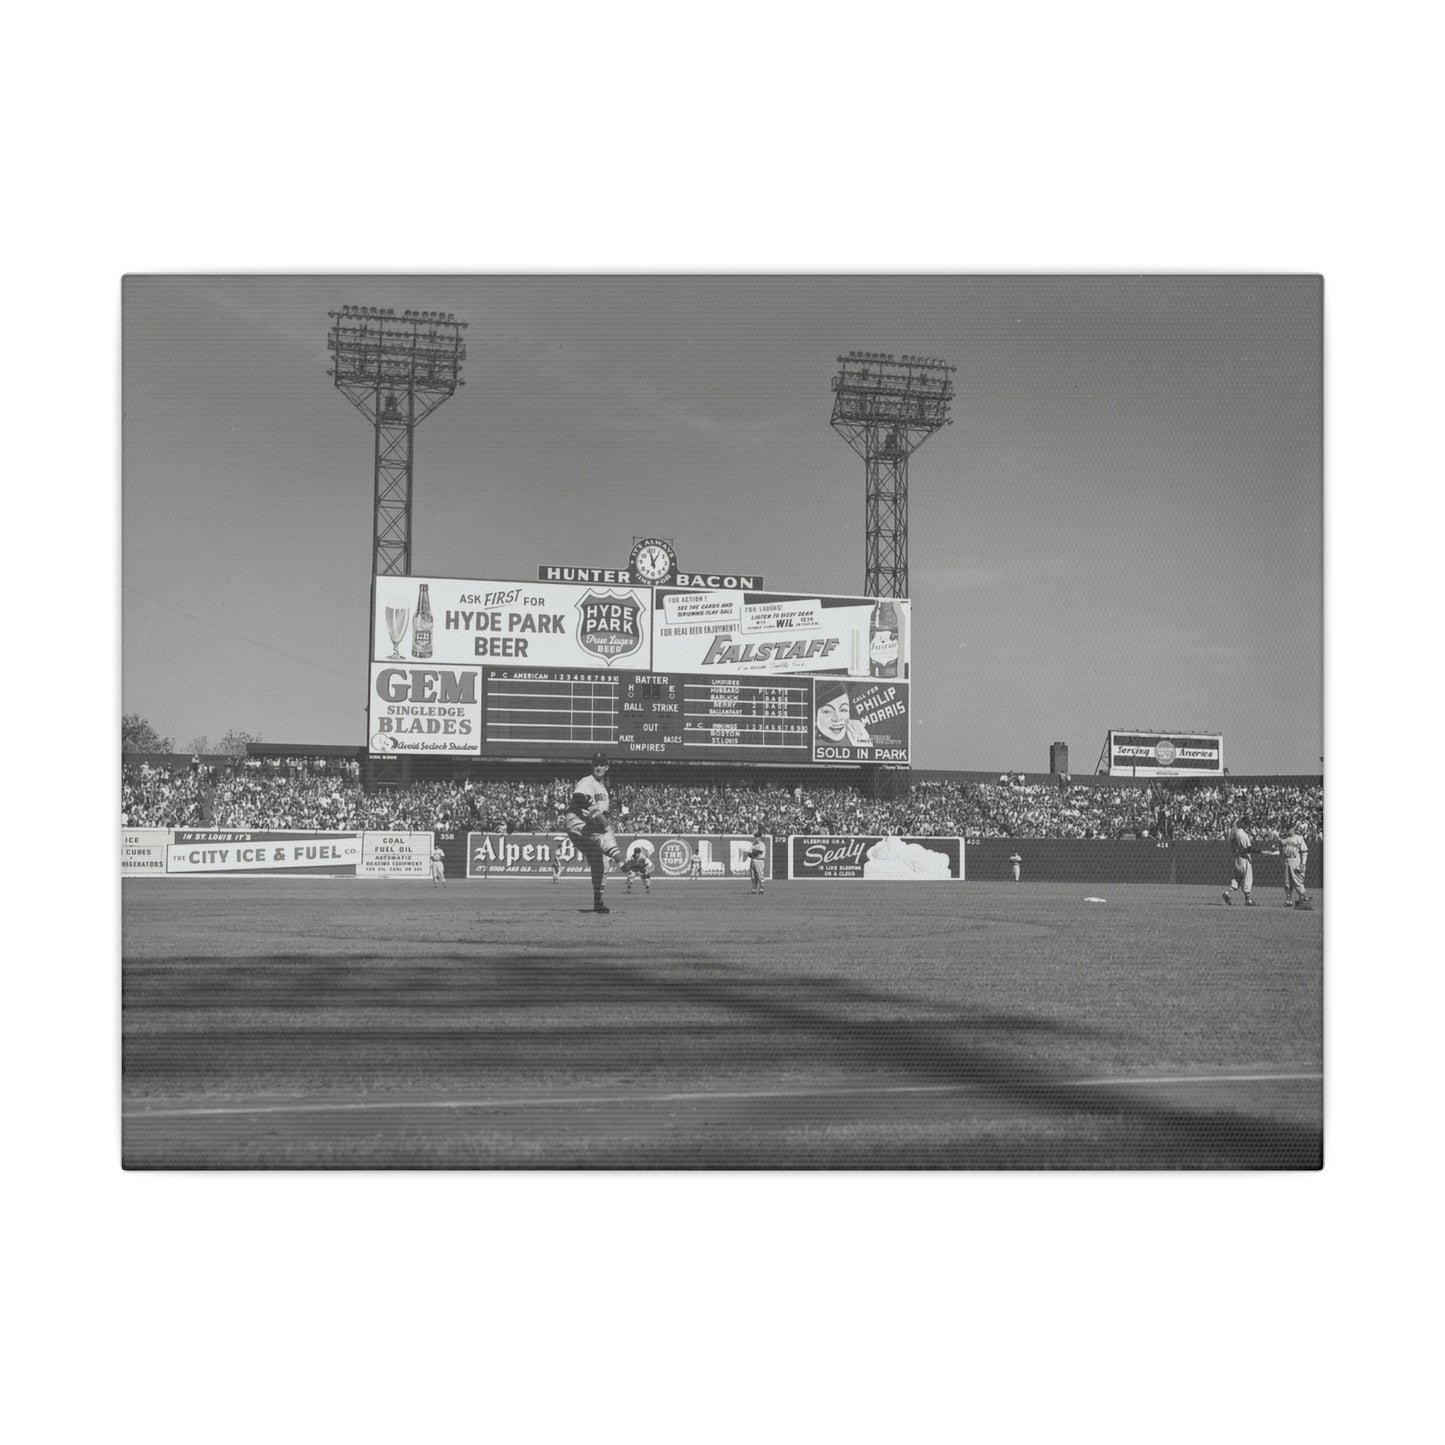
(653, 562)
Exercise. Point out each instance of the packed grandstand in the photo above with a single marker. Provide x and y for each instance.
(317, 793)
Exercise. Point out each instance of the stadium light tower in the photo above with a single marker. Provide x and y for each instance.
(396, 371)
(887, 407)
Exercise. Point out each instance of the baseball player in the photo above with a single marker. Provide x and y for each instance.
(1242, 846)
(589, 828)
(756, 853)
(439, 867)
(1296, 856)
(1016, 859)
(638, 865)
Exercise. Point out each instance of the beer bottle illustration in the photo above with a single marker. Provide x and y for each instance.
(422, 625)
(883, 641)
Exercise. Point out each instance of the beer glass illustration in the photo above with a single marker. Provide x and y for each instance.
(397, 616)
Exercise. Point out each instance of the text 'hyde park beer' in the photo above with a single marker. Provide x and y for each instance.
(422, 625)
(883, 641)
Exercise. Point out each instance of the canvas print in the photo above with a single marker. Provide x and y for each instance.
(722, 722)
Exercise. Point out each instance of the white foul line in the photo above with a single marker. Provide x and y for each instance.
(591, 1100)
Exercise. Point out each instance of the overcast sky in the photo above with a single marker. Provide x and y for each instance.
(1121, 528)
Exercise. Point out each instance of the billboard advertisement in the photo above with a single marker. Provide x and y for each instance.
(196, 852)
(395, 855)
(745, 633)
(674, 855)
(143, 851)
(429, 710)
(890, 858)
(859, 722)
(252, 851)
(427, 623)
(508, 669)
(1149, 754)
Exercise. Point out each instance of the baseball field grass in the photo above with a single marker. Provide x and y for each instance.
(344, 1024)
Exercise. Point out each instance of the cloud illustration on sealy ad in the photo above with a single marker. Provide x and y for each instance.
(894, 859)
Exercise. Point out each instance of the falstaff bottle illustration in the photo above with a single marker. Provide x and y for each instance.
(883, 641)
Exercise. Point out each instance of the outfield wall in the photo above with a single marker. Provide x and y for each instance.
(311, 853)
(239, 852)
(273, 852)
(674, 855)
(839, 858)
(1117, 860)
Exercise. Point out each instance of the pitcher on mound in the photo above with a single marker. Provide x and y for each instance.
(590, 829)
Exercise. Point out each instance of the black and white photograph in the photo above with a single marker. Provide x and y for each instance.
(726, 630)
(445, 597)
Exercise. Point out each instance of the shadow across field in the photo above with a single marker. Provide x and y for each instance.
(595, 1054)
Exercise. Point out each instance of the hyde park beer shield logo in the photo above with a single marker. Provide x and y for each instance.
(609, 624)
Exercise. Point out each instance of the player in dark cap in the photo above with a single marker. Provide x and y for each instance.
(590, 828)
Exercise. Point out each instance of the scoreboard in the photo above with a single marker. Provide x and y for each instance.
(497, 669)
(645, 714)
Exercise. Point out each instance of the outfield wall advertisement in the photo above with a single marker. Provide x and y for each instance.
(236, 850)
(143, 851)
(1145, 754)
(673, 855)
(245, 852)
(395, 855)
(200, 852)
(892, 858)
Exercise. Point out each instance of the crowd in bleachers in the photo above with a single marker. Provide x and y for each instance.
(322, 794)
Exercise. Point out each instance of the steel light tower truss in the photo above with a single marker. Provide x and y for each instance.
(887, 407)
(396, 371)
